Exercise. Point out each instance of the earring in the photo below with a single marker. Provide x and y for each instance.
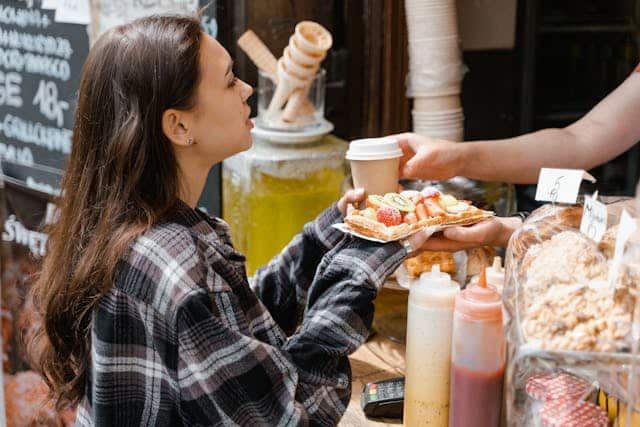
(190, 141)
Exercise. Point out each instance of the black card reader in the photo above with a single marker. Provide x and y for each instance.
(383, 399)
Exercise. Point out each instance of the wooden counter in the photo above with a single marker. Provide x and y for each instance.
(379, 358)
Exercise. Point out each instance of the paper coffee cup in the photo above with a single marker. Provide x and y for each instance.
(442, 103)
(375, 164)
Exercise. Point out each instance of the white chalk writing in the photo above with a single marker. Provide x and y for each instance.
(10, 89)
(41, 186)
(37, 43)
(47, 99)
(44, 187)
(13, 59)
(15, 231)
(36, 133)
(23, 17)
(20, 155)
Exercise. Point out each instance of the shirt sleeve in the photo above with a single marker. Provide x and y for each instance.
(234, 378)
(282, 285)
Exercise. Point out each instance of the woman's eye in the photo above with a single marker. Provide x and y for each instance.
(233, 82)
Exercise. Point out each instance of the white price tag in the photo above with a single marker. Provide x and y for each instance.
(625, 230)
(594, 218)
(560, 185)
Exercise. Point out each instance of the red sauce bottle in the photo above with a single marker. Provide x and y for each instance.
(477, 357)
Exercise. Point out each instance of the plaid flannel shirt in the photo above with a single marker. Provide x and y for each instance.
(183, 338)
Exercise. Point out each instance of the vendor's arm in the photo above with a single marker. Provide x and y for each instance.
(608, 130)
(282, 284)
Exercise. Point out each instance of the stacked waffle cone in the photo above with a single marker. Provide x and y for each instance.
(435, 69)
(294, 72)
(297, 68)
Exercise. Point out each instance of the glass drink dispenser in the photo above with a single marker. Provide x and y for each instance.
(286, 179)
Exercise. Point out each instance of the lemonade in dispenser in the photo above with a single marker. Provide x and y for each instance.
(272, 190)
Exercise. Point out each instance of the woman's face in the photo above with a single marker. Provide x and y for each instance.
(220, 125)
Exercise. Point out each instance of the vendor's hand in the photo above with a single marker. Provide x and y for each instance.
(491, 232)
(429, 159)
(351, 197)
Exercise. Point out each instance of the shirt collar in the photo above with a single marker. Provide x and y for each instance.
(200, 221)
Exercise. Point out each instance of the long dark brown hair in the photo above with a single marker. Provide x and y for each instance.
(121, 178)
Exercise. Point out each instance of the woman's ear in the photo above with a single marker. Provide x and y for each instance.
(176, 127)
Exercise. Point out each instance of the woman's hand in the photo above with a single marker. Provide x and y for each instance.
(429, 159)
(416, 241)
(351, 197)
(491, 232)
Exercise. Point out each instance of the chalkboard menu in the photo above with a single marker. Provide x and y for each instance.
(40, 64)
(43, 45)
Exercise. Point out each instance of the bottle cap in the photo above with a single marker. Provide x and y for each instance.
(435, 288)
(435, 278)
(495, 275)
(374, 149)
(480, 301)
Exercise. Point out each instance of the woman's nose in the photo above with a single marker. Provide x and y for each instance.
(247, 91)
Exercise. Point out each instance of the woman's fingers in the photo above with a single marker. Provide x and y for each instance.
(417, 240)
(351, 197)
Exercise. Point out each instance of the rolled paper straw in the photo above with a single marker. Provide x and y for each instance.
(287, 83)
(259, 53)
(298, 105)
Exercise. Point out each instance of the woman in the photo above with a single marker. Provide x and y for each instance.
(148, 317)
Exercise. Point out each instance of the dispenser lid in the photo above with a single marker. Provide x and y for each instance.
(374, 149)
(480, 301)
(435, 288)
(306, 135)
(435, 278)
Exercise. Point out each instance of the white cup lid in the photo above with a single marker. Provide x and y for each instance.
(374, 149)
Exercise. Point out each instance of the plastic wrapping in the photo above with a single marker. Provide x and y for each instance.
(563, 316)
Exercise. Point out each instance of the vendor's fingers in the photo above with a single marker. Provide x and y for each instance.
(441, 244)
(408, 142)
(407, 151)
(481, 233)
